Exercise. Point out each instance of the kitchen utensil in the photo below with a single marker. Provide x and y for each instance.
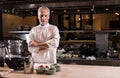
(28, 65)
(4, 73)
(8, 53)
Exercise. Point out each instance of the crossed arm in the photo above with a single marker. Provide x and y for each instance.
(41, 45)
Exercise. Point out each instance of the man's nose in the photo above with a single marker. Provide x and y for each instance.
(43, 17)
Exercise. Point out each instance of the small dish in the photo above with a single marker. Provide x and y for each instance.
(50, 72)
(40, 71)
(58, 68)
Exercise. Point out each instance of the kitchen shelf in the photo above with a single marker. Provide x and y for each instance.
(76, 41)
(104, 34)
(101, 41)
(18, 32)
(98, 61)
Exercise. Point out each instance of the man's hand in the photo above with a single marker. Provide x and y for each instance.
(33, 43)
(38, 44)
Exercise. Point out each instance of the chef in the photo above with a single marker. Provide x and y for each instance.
(43, 39)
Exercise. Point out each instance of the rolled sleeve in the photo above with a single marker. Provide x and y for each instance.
(54, 41)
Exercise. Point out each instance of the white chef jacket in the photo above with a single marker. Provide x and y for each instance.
(48, 34)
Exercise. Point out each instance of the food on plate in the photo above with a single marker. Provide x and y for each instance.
(40, 70)
(48, 70)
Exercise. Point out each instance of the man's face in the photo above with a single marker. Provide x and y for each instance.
(43, 17)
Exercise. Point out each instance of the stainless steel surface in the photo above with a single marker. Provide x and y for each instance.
(15, 47)
(2, 50)
(19, 32)
(2, 54)
(28, 65)
(106, 31)
(102, 41)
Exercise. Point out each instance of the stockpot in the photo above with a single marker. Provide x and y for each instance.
(16, 47)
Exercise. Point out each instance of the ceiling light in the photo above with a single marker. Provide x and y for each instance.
(65, 10)
(32, 5)
(78, 10)
(117, 14)
(52, 11)
(106, 9)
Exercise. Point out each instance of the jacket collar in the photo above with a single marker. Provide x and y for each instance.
(45, 26)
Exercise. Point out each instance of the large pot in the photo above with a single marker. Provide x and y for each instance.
(16, 47)
(16, 50)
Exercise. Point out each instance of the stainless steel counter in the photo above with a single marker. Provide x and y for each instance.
(20, 34)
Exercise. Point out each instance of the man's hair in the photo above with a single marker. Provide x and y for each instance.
(43, 8)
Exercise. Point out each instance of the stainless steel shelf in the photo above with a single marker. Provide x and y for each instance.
(18, 32)
(102, 31)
